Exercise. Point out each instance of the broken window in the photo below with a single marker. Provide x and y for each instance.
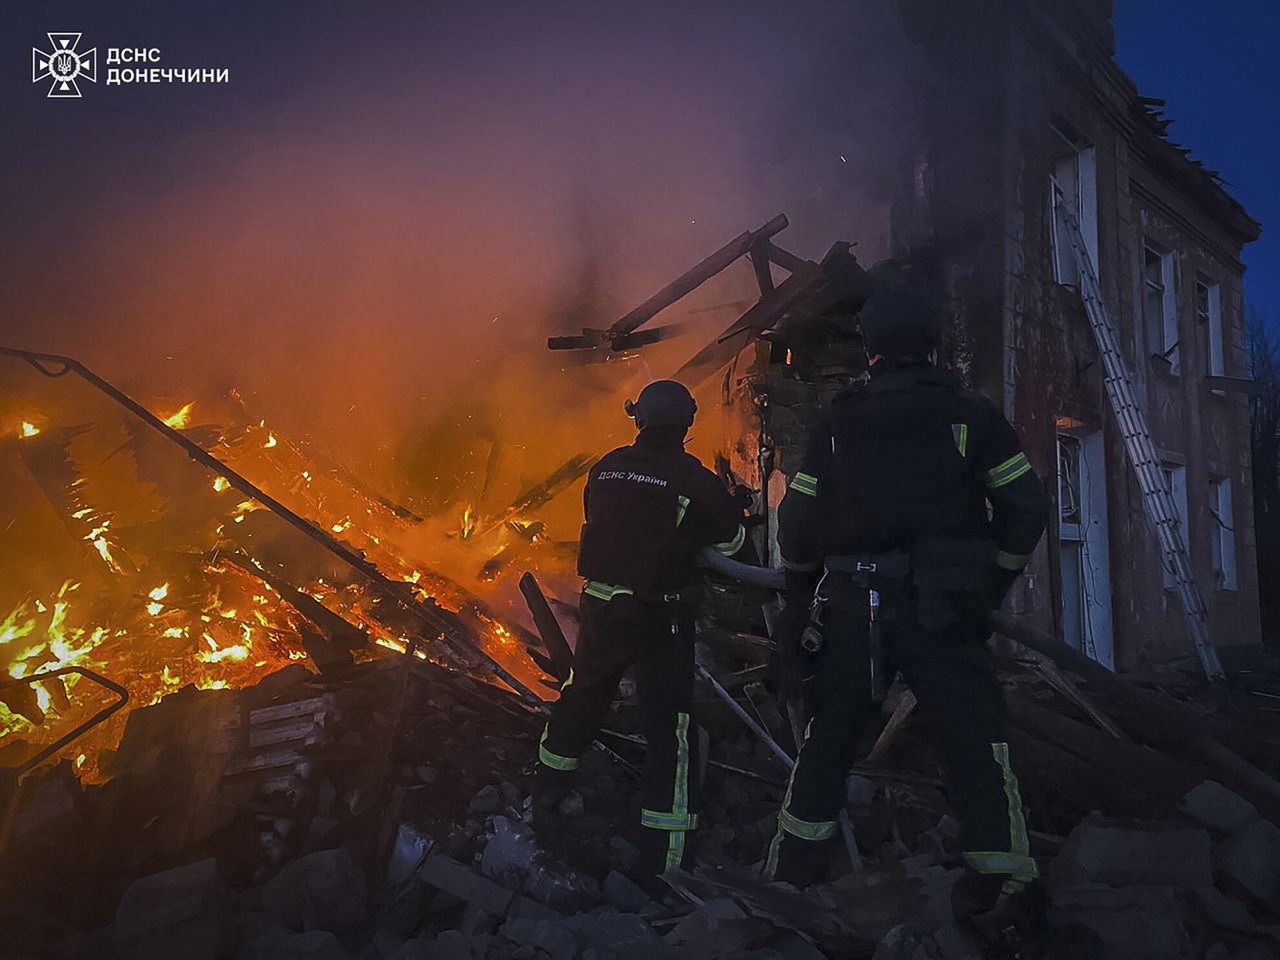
(1223, 541)
(1209, 319)
(1159, 304)
(1073, 189)
(1175, 482)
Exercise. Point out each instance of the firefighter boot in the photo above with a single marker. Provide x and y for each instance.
(550, 787)
(802, 863)
(1006, 915)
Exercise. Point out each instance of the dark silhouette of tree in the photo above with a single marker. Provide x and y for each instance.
(1262, 345)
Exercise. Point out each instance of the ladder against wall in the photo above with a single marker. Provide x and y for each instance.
(1156, 498)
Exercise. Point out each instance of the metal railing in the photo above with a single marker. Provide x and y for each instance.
(11, 777)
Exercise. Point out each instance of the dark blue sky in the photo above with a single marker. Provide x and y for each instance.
(1218, 66)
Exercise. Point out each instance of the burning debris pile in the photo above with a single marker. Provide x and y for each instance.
(334, 714)
(383, 811)
(223, 591)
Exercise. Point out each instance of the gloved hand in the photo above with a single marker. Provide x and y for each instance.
(743, 496)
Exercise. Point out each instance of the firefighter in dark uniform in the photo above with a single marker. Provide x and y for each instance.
(919, 491)
(650, 509)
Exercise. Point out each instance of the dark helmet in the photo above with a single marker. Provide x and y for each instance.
(663, 403)
(901, 317)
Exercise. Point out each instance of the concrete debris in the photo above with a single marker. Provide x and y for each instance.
(384, 945)
(603, 932)
(1134, 923)
(449, 945)
(411, 848)
(288, 945)
(621, 935)
(717, 927)
(1222, 911)
(1212, 805)
(623, 853)
(906, 942)
(324, 890)
(624, 894)
(1249, 863)
(513, 858)
(550, 937)
(183, 912)
(573, 805)
(465, 884)
(1156, 854)
(486, 801)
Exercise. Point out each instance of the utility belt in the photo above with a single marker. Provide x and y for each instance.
(687, 596)
(871, 569)
(933, 565)
(940, 580)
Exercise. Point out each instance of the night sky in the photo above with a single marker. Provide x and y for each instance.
(1218, 66)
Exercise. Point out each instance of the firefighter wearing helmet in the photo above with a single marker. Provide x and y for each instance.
(915, 494)
(650, 509)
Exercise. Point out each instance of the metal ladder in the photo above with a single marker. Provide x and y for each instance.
(1156, 497)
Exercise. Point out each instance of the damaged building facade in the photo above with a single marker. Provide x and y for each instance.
(1047, 119)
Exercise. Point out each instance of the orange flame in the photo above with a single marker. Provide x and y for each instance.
(182, 419)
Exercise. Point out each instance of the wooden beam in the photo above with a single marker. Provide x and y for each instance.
(1156, 719)
(682, 285)
(696, 275)
(548, 626)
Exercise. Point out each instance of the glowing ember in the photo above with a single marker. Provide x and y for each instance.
(220, 484)
(98, 537)
(271, 441)
(182, 419)
(29, 429)
(236, 652)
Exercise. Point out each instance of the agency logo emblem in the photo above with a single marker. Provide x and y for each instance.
(64, 65)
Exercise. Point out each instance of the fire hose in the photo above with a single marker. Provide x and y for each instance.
(54, 365)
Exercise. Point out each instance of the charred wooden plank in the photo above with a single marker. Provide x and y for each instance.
(1156, 719)
(548, 626)
(1140, 767)
(542, 492)
(682, 285)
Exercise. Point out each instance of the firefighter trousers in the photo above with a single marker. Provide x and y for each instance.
(953, 678)
(655, 642)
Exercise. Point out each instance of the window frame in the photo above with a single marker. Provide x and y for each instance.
(1163, 339)
(1214, 327)
(1225, 557)
(1083, 195)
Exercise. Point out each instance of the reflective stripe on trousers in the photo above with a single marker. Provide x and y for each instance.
(547, 757)
(789, 824)
(678, 820)
(1016, 861)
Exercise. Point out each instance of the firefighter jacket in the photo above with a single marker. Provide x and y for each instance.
(650, 509)
(911, 456)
